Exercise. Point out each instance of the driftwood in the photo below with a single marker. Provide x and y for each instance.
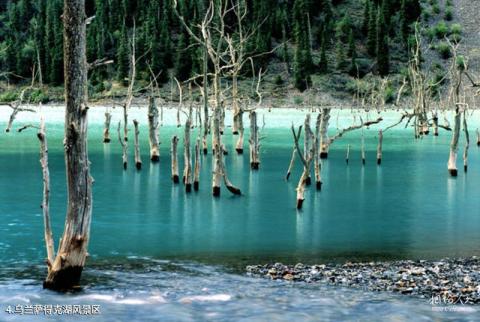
(106, 127)
(173, 152)
(138, 158)
(72, 253)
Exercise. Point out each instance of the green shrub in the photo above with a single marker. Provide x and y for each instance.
(448, 13)
(436, 9)
(441, 30)
(38, 96)
(461, 63)
(444, 50)
(8, 97)
(278, 80)
(426, 15)
(298, 100)
(389, 95)
(456, 29)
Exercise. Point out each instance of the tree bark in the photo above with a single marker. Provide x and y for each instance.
(467, 143)
(42, 137)
(124, 145)
(324, 140)
(316, 154)
(153, 130)
(173, 152)
(138, 158)
(67, 267)
(187, 170)
(452, 160)
(307, 146)
(292, 162)
(254, 142)
(347, 157)
(106, 129)
(196, 170)
(379, 147)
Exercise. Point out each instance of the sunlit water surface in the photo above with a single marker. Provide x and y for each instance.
(160, 254)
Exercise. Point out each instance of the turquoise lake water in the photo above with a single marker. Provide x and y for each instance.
(157, 249)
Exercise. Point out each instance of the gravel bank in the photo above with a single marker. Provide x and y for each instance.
(448, 280)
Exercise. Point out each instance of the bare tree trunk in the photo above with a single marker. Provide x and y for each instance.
(306, 168)
(187, 170)
(435, 124)
(138, 158)
(42, 137)
(206, 119)
(196, 170)
(307, 146)
(106, 129)
(173, 152)
(237, 110)
(324, 141)
(292, 162)
(452, 160)
(316, 153)
(379, 147)
(363, 147)
(241, 132)
(478, 138)
(254, 142)
(153, 130)
(124, 145)
(72, 253)
(467, 143)
(347, 157)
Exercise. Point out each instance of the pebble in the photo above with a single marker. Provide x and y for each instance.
(450, 278)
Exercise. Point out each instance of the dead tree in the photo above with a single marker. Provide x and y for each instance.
(214, 22)
(379, 147)
(306, 168)
(347, 157)
(42, 137)
(187, 170)
(153, 130)
(138, 158)
(106, 128)
(467, 143)
(254, 142)
(478, 138)
(66, 269)
(196, 170)
(16, 107)
(307, 145)
(324, 140)
(316, 153)
(173, 152)
(363, 147)
(124, 146)
(292, 162)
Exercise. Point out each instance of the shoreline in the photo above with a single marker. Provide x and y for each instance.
(445, 281)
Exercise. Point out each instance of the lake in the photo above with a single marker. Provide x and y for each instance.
(159, 252)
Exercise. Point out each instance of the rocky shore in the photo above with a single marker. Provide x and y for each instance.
(447, 281)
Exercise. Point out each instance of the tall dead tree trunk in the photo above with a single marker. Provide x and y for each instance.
(254, 142)
(467, 143)
(106, 128)
(138, 158)
(316, 153)
(435, 124)
(124, 146)
(324, 140)
(187, 170)
(206, 118)
(347, 157)
(153, 130)
(196, 170)
(379, 147)
(306, 168)
(363, 147)
(173, 152)
(452, 160)
(292, 162)
(49, 244)
(307, 146)
(67, 267)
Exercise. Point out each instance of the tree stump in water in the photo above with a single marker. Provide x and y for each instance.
(173, 152)
(138, 158)
(153, 126)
